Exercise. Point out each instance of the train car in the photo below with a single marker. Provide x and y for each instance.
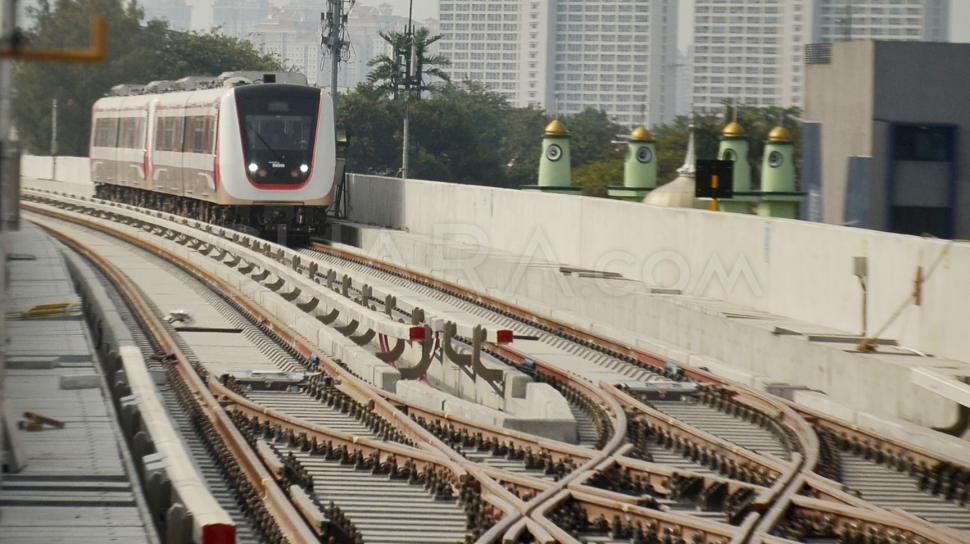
(262, 156)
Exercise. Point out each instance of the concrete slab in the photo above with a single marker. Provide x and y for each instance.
(80, 381)
(734, 339)
(84, 456)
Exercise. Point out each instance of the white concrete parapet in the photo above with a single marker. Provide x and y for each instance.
(179, 468)
(795, 269)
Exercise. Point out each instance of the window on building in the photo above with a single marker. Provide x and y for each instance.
(924, 143)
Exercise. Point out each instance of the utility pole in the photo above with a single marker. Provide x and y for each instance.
(335, 39)
(54, 127)
(408, 60)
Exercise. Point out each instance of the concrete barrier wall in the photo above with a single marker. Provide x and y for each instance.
(66, 169)
(790, 268)
(72, 170)
(36, 167)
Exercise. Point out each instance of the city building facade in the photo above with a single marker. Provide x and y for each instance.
(911, 20)
(176, 12)
(890, 149)
(567, 55)
(291, 34)
(752, 51)
(237, 17)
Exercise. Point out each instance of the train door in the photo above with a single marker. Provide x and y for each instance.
(198, 149)
(131, 143)
(167, 146)
(149, 156)
(104, 153)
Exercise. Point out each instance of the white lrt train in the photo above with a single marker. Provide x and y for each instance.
(258, 155)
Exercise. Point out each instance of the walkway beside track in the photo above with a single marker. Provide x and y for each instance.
(74, 483)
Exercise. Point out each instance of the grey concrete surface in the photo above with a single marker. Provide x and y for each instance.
(74, 485)
(870, 85)
(737, 342)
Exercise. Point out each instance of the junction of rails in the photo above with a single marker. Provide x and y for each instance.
(452, 363)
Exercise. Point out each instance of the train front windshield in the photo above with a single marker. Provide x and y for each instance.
(279, 123)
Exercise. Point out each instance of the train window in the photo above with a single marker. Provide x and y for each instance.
(140, 133)
(161, 125)
(178, 134)
(123, 133)
(105, 132)
(130, 132)
(159, 133)
(168, 134)
(112, 135)
(195, 137)
(210, 132)
(189, 134)
(99, 133)
(278, 132)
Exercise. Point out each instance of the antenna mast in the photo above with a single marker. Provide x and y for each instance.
(335, 38)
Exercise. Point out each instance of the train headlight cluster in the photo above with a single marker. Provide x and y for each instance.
(253, 167)
(304, 168)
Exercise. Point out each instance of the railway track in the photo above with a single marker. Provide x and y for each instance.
(897, 476)
(744, 465)
(204, 461)
(348, 490)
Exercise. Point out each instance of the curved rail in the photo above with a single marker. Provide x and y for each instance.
(285, 518)
(773, 506)
(494, 492)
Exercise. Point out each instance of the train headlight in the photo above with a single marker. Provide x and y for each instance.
(304, 168)
(253, 167)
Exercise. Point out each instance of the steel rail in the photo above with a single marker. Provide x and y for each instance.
(889, 445)
(796, 417)
(287, 519)
(783, 492)
(767, 469)
(503, 498)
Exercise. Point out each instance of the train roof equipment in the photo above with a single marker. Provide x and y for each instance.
(195, 83)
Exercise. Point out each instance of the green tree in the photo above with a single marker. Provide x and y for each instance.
(137, 53)
(211, 53)
(386, 69)
(596, 176)
(457, 135)
(592, 133)
(374, 127)
(522, 144)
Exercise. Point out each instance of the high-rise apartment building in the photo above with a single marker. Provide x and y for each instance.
(502, 44)
(566, 55)
(749, 51)
(848, 20)
(176, 12)
(752, 51)
(293, 36)
(237, 17)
